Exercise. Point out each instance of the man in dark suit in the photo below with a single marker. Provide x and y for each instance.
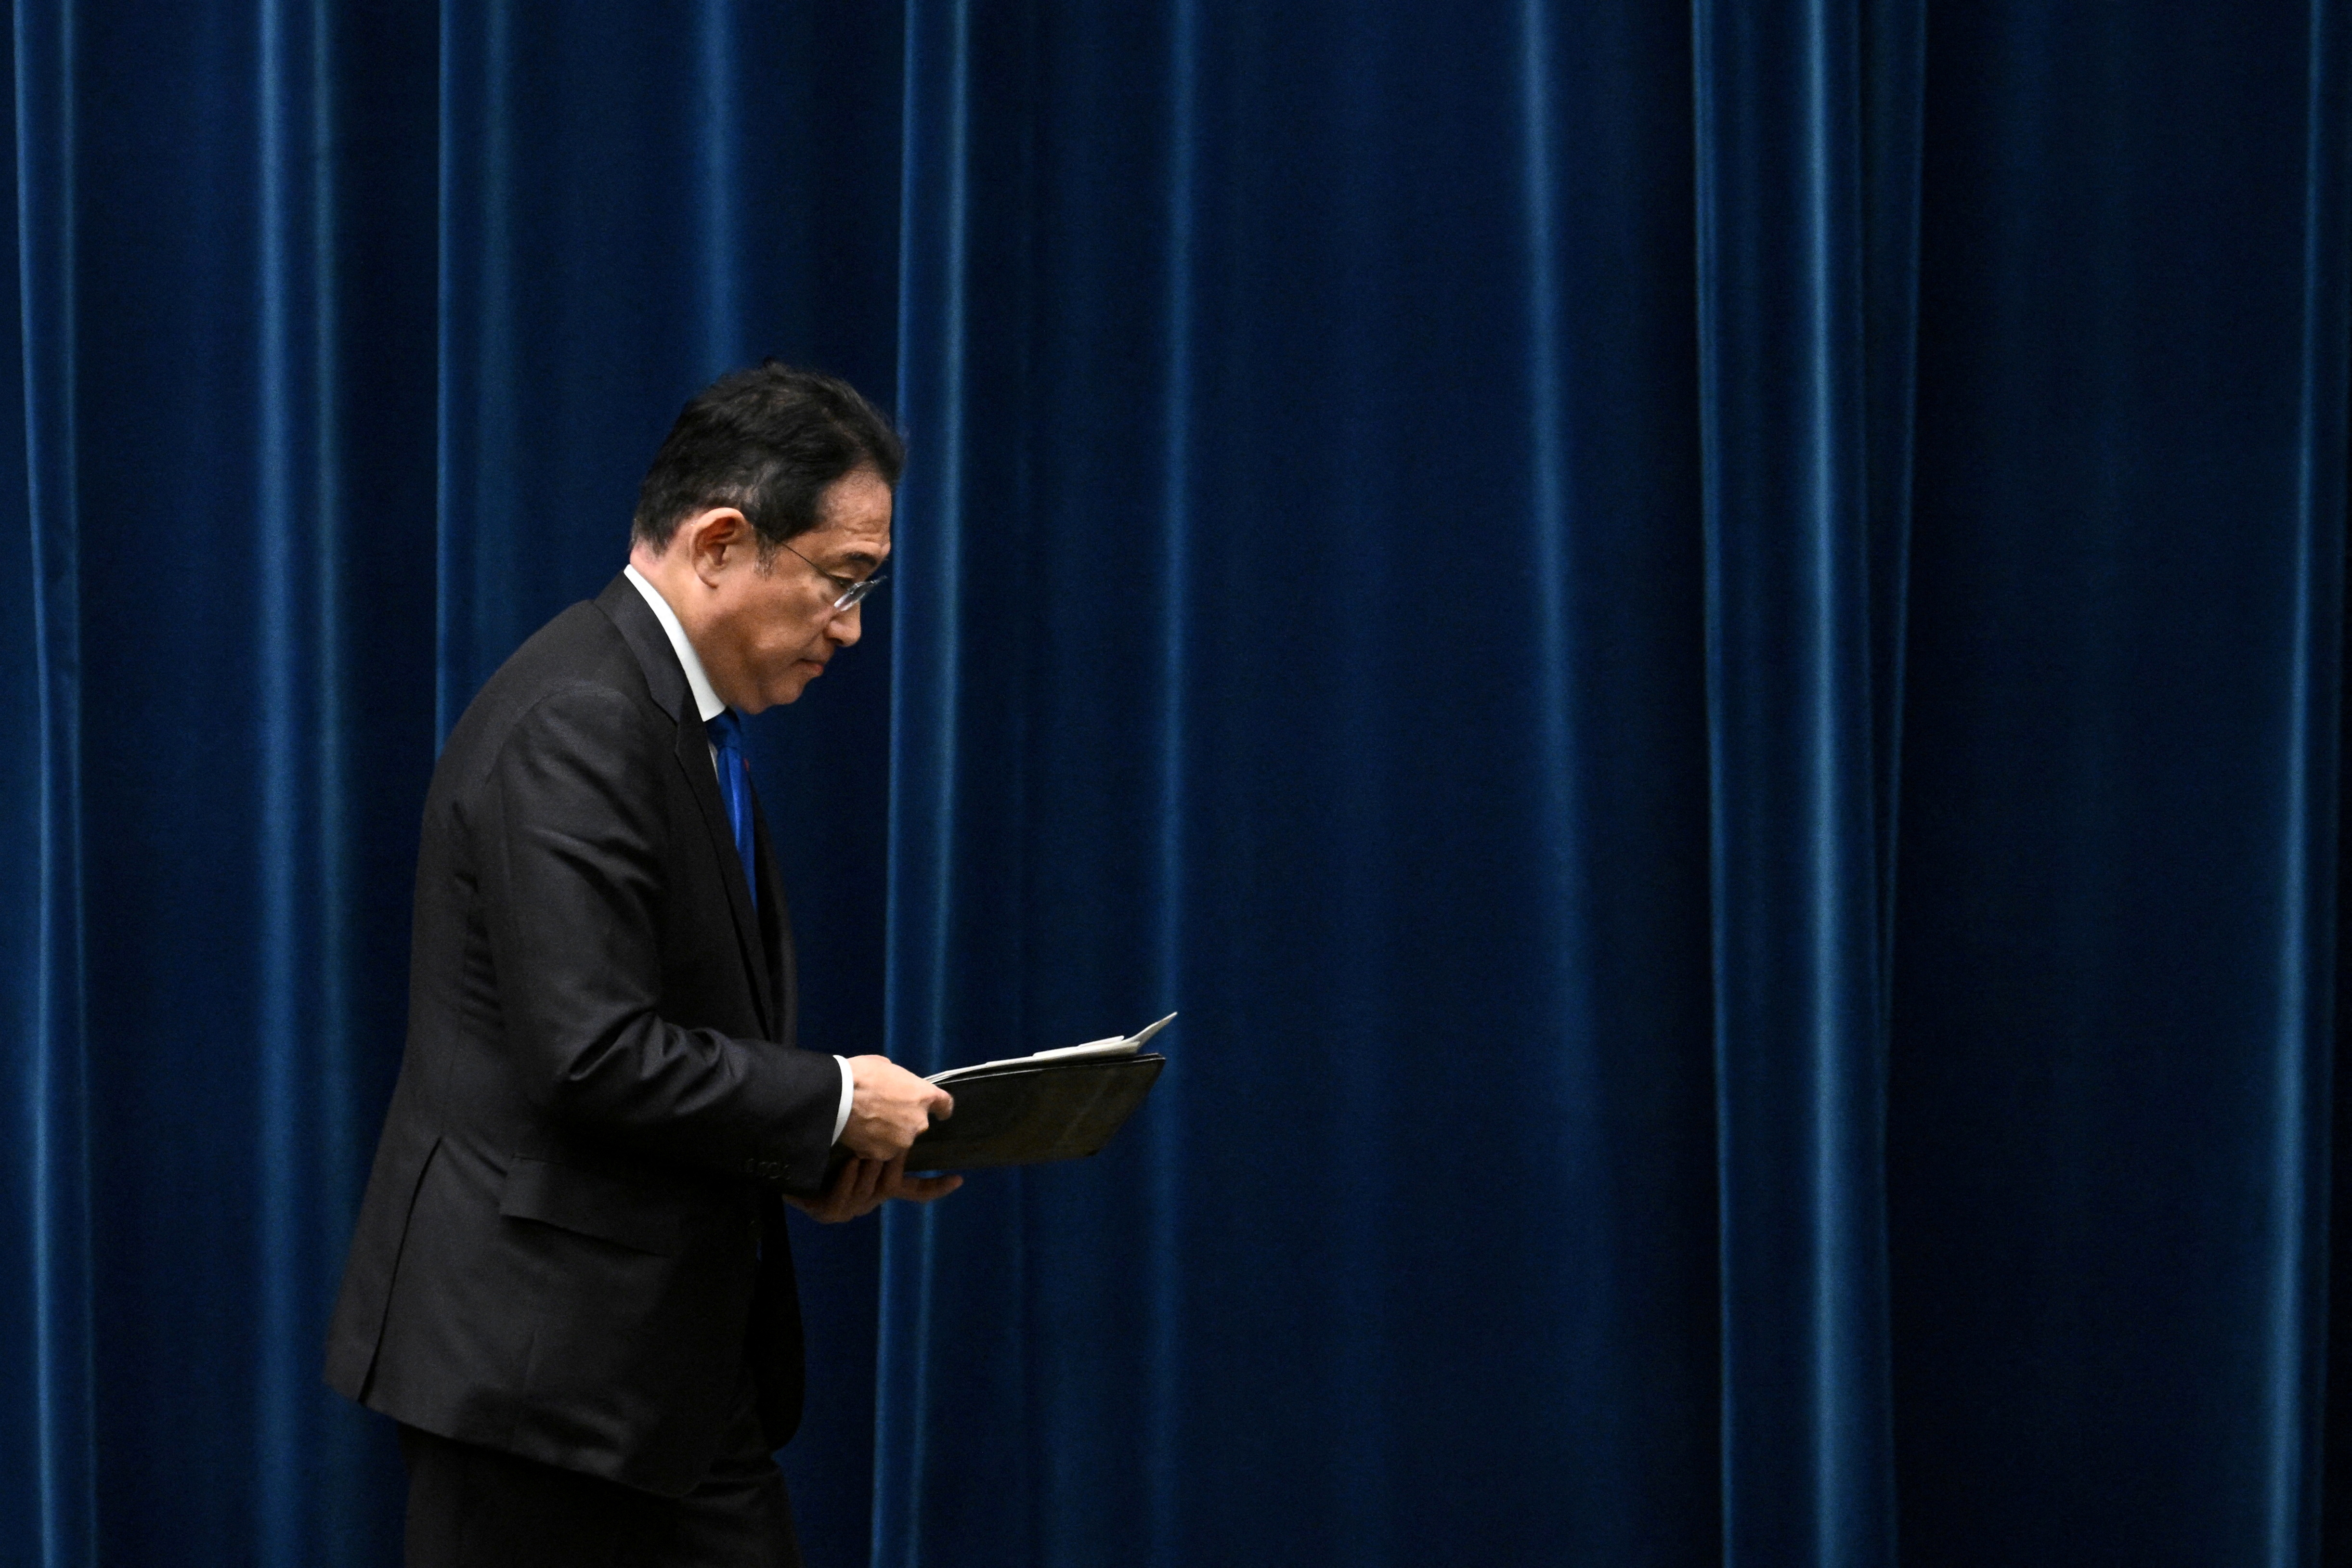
(570, 1284)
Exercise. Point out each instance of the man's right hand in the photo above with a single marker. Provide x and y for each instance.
(889, 1107)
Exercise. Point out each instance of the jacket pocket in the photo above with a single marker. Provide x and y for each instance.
(590, 1203)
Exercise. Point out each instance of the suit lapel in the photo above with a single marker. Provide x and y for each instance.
(666, 683)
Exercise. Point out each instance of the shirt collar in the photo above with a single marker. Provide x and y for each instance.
(707, 706)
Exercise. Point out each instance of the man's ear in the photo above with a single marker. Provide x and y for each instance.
(716, 541)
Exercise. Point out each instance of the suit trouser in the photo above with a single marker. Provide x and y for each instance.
(471, 1506)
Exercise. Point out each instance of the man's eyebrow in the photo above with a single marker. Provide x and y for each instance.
(858, 558)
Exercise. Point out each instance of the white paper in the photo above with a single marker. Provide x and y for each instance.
(1127, 1045)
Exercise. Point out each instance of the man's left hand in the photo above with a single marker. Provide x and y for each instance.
(863, 1185)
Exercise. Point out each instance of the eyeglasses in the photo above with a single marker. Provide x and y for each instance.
(853, 589)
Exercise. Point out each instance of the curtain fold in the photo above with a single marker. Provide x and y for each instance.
(1806, 421)
(1703, 648)
(2112, 940)
(1271, 418)
(1889, 747)
(50, 1449)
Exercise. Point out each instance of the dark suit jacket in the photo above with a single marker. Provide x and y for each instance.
(570, 1246)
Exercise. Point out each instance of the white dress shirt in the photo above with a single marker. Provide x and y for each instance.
(707, 706)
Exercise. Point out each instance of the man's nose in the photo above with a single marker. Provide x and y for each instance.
(844, 628)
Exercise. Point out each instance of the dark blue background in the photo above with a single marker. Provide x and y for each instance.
(1702, 644)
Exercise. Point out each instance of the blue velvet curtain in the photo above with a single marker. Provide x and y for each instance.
(1702, 644)
(1704, 648)
(343, 333)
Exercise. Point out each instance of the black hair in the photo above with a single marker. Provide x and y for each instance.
(768, 440)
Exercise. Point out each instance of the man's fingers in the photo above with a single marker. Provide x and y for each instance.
(837, 1202)
(897, 1182)
(877, 1141)
(869, 1177)
(845, 1182)
(862, 1186)
(922, 1189)
(889, 1107)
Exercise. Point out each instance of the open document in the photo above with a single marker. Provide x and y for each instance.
(1057, 1105)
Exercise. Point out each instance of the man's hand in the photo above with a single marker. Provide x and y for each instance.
(889, 1107)
(861, 1186)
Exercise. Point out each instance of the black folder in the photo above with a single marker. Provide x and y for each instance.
(1025, 1112)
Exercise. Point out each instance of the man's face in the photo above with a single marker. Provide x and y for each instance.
(772, 624)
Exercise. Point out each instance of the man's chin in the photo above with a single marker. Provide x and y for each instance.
(787, 690)
(787, 687)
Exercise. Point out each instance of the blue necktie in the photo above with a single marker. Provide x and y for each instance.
(726, 733)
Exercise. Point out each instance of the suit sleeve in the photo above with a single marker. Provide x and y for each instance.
(570, 840)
